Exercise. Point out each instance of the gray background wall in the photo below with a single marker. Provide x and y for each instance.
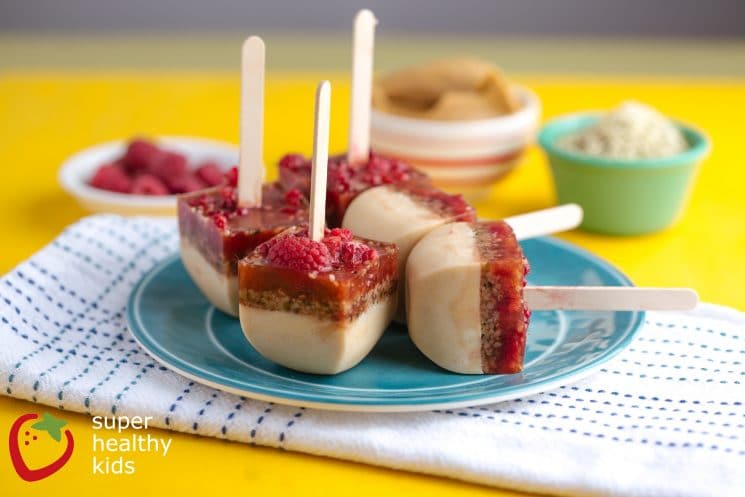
(700, 18)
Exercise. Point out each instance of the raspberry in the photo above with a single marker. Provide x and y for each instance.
(355, 253)
(147, 184)
(299, 252)
(202, 202)
(454, 206)
(334, 245)
(170, 165)
(232, 176)
(228, 195)
(293, 198)
(209, 173)
(141, 155)
(220, 220)
(112, 177)
(343, 233)
(184, 183)
(265, 247)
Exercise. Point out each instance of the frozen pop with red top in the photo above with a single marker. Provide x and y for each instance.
(346, 180)
(312, 299)
(220, 225)
(468, 306)
(475, 272)
(216, 232)
(360, 169)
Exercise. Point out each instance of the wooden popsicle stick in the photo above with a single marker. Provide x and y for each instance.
(361, 97)
(320, 162)
(251, 161)
(546, 221)
(610, 298)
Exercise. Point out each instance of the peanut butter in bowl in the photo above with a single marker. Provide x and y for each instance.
(460, 120)
(446, 90)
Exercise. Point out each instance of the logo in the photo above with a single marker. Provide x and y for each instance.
(32, 438)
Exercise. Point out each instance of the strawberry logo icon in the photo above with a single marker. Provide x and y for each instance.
(47, 426)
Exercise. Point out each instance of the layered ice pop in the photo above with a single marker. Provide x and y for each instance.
(359, 169)
(468, 303)
(215, 232)
(220, 225)
(313, 299)
(465, 298)
(346, 180)
(317, 306)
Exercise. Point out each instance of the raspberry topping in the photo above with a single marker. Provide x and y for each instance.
(344, 177)
(354, 253)
(299, 252)
(337, 250)
(224, 201)
(451, 206)
(293, 198)
(376, 171)
(220, 220)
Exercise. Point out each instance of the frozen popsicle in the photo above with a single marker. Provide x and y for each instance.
(215, 232)
(468, 306)
(358, 169)
(220, 225)
(313, 299)
(346, 181)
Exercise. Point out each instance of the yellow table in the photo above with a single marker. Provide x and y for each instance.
(44, 117)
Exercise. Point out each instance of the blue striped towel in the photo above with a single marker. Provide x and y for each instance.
(666, 417)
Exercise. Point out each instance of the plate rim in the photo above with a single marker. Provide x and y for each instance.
(363, 405)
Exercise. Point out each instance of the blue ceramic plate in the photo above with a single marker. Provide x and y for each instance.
(174, 323)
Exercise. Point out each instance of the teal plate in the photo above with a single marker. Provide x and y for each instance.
(174, 323)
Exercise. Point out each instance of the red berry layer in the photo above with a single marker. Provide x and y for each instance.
(451, 207)
(223, 232)
(336, 279)
(504, 315)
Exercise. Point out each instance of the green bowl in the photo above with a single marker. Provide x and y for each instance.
(622, 196)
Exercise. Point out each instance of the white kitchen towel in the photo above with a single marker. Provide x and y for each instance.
(664, 418)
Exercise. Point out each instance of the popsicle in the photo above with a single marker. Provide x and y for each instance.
(346, 181)
(468, 307)
(220, 225)
(359, 169)
(312, 299)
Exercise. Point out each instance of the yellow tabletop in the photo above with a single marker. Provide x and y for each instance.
(44, 117)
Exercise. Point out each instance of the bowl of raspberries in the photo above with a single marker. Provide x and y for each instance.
(143, 176)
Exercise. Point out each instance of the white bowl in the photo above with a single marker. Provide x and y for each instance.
(76, 172)
(463, 156)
